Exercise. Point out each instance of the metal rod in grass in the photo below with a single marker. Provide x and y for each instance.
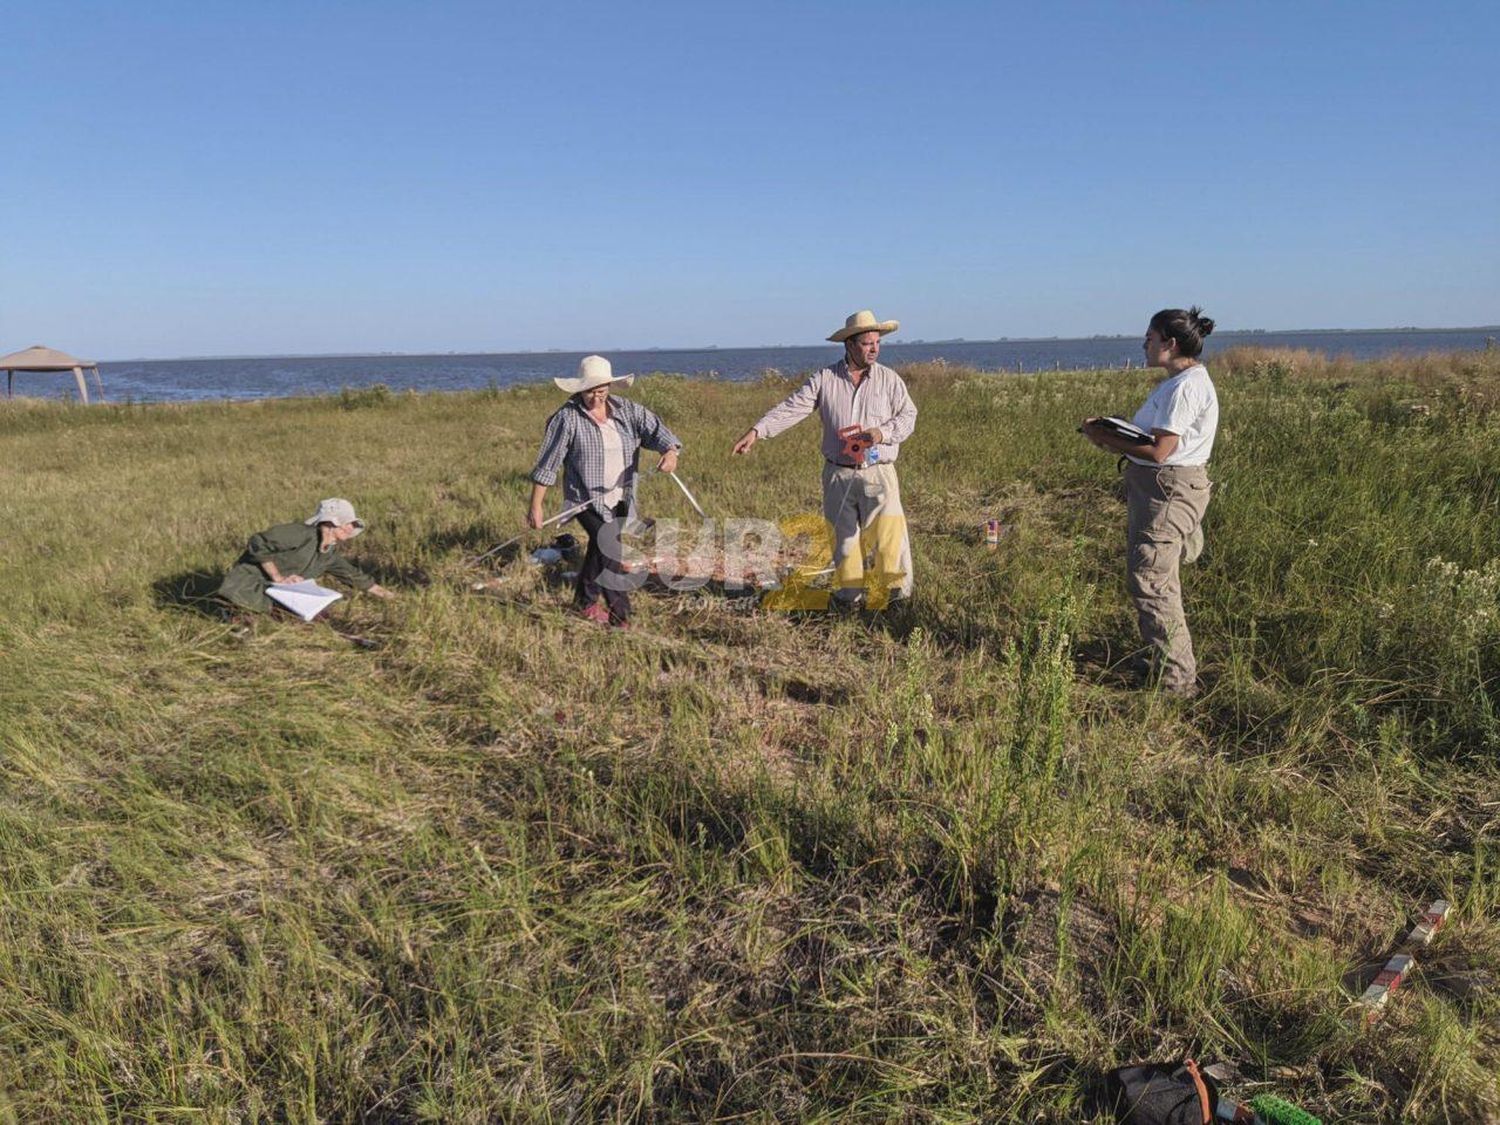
(566, 513)
(696, 506)
(562, 515)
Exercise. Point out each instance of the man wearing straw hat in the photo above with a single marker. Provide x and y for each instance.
(596, 440)
(867, 414)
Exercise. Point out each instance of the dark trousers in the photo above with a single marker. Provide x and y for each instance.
(603, 554)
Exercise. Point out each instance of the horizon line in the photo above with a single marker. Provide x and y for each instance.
(678, 349)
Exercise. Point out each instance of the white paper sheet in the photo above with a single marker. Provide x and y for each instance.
(305, 599)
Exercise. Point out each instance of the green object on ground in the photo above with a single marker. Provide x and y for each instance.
(1278, 1111)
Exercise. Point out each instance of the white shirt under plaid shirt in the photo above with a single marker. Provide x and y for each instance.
(572, 442)
(880, 401)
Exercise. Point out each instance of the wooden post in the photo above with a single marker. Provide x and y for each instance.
(83, 388)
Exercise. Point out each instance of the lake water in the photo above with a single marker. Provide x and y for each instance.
(180, 380)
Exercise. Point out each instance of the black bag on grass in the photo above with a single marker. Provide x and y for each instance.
(1162, 1094)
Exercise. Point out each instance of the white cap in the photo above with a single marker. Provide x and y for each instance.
(337, 512)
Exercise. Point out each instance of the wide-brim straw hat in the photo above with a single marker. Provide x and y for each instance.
(337, 512)
(593, 371)
(863, 321)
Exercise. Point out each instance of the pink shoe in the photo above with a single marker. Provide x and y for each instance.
(595, 613)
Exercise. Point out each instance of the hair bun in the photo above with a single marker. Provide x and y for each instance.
(1203, 324)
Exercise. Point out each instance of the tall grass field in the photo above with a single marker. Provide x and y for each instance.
(464, 857)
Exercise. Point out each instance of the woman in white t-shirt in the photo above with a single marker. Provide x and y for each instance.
(1167, 488)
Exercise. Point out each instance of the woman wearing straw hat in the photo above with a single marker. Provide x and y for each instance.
(296, 552)
(596, 440)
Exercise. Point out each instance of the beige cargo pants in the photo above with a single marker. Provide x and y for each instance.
(863, 509)
(1165, 528)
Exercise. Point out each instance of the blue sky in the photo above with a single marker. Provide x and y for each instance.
(211, 178)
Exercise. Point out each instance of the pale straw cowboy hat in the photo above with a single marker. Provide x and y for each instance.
(337, 512)
(593, 371)
(863, 321)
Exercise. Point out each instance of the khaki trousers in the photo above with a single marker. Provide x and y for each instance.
(1165, 528)
(863, 509)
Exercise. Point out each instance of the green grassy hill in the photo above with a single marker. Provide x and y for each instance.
(462, 857)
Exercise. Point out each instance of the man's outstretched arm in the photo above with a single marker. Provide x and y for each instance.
(784, 415)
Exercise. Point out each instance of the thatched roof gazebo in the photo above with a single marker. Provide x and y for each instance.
(39, 358)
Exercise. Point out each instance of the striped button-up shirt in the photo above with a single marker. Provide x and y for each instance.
(572, 443)
(880, 401)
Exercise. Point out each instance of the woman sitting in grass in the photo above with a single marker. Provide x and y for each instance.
(295, 552)
(1167, 489)
(596, 441)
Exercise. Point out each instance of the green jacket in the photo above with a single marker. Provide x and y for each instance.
(293, 547)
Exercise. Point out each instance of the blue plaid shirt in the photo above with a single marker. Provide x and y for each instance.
(572, 443)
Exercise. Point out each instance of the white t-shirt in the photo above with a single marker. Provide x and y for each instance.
(1186, 405)
(614, 460)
